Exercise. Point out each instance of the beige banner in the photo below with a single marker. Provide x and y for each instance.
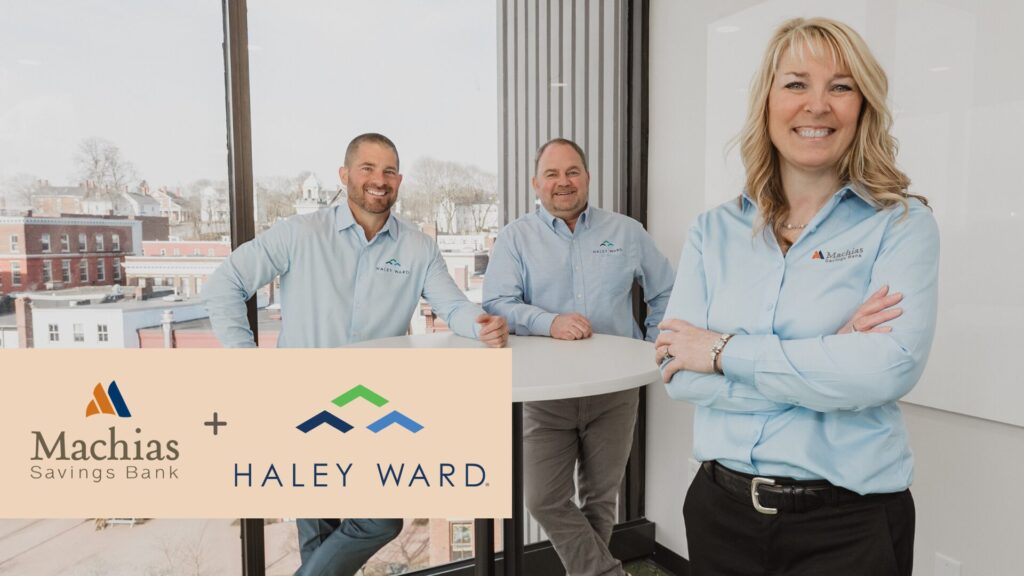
(430, 433)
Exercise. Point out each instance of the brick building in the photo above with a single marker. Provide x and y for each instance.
(53, 253)
(182, 265)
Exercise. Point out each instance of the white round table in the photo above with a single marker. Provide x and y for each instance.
(544, 369)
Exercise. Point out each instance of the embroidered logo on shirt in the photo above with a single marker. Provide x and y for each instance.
(830, 256)
(607, 247)
(393, 266)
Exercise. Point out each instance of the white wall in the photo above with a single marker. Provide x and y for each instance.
(968, 469)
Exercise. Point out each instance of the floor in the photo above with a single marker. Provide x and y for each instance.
(646, 568)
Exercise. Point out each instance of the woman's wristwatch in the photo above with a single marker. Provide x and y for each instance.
(716, 351)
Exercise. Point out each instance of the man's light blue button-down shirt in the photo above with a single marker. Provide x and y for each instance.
(539, 269)
(336, 286)
(797, 400)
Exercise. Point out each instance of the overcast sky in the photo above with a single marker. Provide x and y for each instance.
(148, 75)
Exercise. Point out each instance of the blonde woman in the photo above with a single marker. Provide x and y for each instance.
(806, 465)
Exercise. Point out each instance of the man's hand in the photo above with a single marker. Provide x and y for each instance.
(875, 311)
(493, 330)
(571, 327)
(689, 347)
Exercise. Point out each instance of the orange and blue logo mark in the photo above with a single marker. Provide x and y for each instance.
(109, 401)
(817, 255)
(392, 418)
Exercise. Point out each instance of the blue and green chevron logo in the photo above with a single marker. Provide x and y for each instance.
(394, 262)
(355, 393)
(607, 244)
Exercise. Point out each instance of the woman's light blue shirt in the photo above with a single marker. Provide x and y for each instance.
(797, 400)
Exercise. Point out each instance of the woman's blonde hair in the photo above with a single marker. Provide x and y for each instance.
(869, 163)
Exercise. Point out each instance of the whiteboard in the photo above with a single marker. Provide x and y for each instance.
(957, 96)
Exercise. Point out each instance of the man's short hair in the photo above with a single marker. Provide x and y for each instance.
(565, 141)
(369, 137)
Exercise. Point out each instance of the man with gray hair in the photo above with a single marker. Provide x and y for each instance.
(567, 271)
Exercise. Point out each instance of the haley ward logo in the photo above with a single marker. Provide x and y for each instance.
(392, 418)
(393, 266)
(829, 256)
(107, 401)
(607, 247)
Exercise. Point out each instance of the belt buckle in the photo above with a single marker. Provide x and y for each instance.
(758, 481)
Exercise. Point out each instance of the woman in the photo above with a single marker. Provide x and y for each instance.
(806, 465)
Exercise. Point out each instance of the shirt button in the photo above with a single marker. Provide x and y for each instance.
(770, 307)
(578, 296)
(577, 267)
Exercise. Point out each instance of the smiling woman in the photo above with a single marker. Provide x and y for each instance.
(794, 378)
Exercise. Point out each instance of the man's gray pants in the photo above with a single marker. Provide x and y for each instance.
(336, 547)
(598, 432)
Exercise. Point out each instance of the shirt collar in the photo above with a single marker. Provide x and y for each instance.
(343, 220)
(847, 190)
(552, 221)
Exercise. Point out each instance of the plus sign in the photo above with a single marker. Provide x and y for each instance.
(215, 423)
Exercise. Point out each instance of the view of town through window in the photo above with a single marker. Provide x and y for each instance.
(114, 200)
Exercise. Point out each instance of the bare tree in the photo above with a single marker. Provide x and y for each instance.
(18, 190)
(451, 186)
(100, 162)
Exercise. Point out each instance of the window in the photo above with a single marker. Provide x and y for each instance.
(197, 252)
(115, 242)
(177, 252)
(47, 271)
(14, 243)
(98, 241)
(102, 334)
(117, 269)
(44, 243)
(65, 271)
(15, 273)
(65, 243)
(211, 252)
(78, 333)
(83, 242)
(101, 272)
(461, 541)
(163, 252)
(54, 333)
(83, 270)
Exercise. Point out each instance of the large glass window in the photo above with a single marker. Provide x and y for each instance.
(114, 111)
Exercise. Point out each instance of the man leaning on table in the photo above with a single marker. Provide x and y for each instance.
(566, 271)
(349, 273)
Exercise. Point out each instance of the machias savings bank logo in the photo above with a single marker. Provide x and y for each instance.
(109, 401)
(360, 392)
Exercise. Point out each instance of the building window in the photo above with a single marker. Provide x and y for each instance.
(83, 242)
(462, 540)
(101, 272)
(54, 333)
(15, 273)
(65, 243)
(115, 241)
(78, 332)
(47, 271)
(163, 252)
(99, 243)
(101, 333)
(117, 269)
(44, 243)
(65, 271)
(211, 252)
(197, 252)
(177, 252)
(14, 243)
(83, 270)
